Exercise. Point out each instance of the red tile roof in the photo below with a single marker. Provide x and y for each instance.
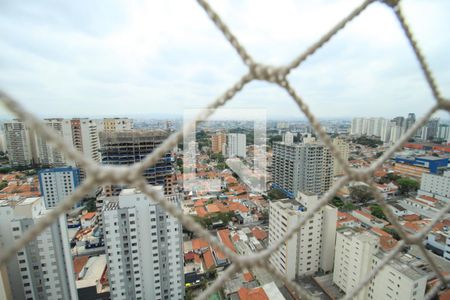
(212, 208)
(88, 216)
(201, 212)
(189, 256)
(208, 259)
(411, 217)
(259, 234)
(428, 198)
(199, 244)
(380, 232)
(224, 236)
(248, 277)
(387, 242)
(78, 263)
(252, 294)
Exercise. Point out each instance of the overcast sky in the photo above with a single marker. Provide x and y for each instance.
(144, 58)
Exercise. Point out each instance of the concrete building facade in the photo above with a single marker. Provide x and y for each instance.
(143, 248)
(436, 186)
(129, 147)
(302, 168)
(312, 248)
(353, 259)
(57, 184)
(43, 269)
(236, 145)
(344, 149)
(402, 278)
(18, 143)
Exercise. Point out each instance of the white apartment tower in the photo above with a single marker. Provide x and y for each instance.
(57, 184)
(302, 168)
(143, 248)
(437, 186)
(403, 278)
(236, 145)
(343, 148)
(43, 269)
(18, 143)
(353, 259)
(312, 248)
(288, 138)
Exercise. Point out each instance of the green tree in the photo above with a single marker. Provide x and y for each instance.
(91, 205)
(407, 185)
(377, 211)
(361, 193)
(337, 202)
(348, 206)
(393, 232)
(275, 194)
(3, 184)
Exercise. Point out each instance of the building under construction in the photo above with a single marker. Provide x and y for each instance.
(131, 146)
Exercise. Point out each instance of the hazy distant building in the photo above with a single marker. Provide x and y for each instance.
(443, 132)
(143, 248)
(129, 147)
(312, 247)
(18, 143)
(43, 269)
(302, 168)
(432, 128)
(288, 138)
(218, 141)
(57, 184)
(410, 120)
(48, 155)
(344, 149)
(114, 124)
(236, 145)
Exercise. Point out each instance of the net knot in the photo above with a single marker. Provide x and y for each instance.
(268, 73)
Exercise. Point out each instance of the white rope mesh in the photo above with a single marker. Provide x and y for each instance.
(100, 174)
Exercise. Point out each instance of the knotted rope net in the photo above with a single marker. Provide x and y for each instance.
(97, 174)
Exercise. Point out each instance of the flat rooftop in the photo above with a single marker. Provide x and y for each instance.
(411, 266)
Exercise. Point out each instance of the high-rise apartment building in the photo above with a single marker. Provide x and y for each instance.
(410, 120)
(46, 154)
(344, 149)
(43, 269)
(129, 147)
(218, 141)
(114, 124)
(236, 145)
(402, 278)
(302, 168)
(57, 184)
(443, 133)
(143, 248)
(353, 259)
(85, 138)
(18, 143)
(312, 247)
(432, 128)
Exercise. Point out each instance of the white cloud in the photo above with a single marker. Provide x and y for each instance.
(132, 57)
